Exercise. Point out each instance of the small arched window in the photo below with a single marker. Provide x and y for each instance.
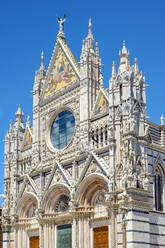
(158, 188)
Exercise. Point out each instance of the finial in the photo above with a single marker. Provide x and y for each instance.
(162, 120)
(136, 67)
(97, 48)
(113, 70)
(42, 61)
(61, 26)
(11, 126)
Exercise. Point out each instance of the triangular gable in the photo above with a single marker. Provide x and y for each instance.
(101, 105)
(28, 185)
(93, 164)
(63, 70)
(60, 175)
(27, 141)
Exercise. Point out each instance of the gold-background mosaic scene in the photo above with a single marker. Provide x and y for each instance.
(61, 76)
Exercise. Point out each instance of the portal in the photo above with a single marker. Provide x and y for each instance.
(100, 237)
(34, 242)
(64, 236)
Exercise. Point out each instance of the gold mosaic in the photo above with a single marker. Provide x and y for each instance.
(62, 75)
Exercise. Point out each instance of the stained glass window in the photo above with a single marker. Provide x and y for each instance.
(62, 129)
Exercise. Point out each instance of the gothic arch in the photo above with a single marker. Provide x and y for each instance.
(53, 196)
(27, 205)
(89, 188)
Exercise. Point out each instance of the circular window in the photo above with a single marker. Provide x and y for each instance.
(62, 129)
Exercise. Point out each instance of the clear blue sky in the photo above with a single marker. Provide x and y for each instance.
(28, 27)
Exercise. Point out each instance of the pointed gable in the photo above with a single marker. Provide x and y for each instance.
(27, 141)
(62, 72)
(101, 105)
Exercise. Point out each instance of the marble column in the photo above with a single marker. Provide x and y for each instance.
(74, 232)
(85, 232)
(55, 235)
(113, 235)
(80, 232)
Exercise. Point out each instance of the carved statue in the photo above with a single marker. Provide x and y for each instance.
(61, 22)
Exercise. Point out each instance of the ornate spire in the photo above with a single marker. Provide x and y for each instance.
(124, 59)
(113, 70)
(136, 67)
(89, 38)
(61, 27)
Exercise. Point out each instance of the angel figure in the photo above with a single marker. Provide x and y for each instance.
(61, 22)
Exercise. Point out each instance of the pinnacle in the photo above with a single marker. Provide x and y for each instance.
(101, 81)
(42, 57)
(136, 66)
(89, 38)
(19, 113)
(113, 70)
(42, 61)
(83, 45)
(11, 126)
(90, 30)
(162, 120)
(97, 48)
(19, 109)
(90, 25)
(28, 121)
(124, 49)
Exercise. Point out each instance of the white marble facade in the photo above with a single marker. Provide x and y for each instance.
(105, 170)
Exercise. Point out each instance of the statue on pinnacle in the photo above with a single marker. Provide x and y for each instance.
(61, 26)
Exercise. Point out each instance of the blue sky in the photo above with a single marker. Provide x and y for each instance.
(28, 27)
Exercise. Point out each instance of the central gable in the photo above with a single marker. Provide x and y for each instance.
(62, 72)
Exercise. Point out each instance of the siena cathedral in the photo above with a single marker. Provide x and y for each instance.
(90, 170)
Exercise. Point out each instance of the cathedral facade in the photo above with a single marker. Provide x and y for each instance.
(89, 172)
